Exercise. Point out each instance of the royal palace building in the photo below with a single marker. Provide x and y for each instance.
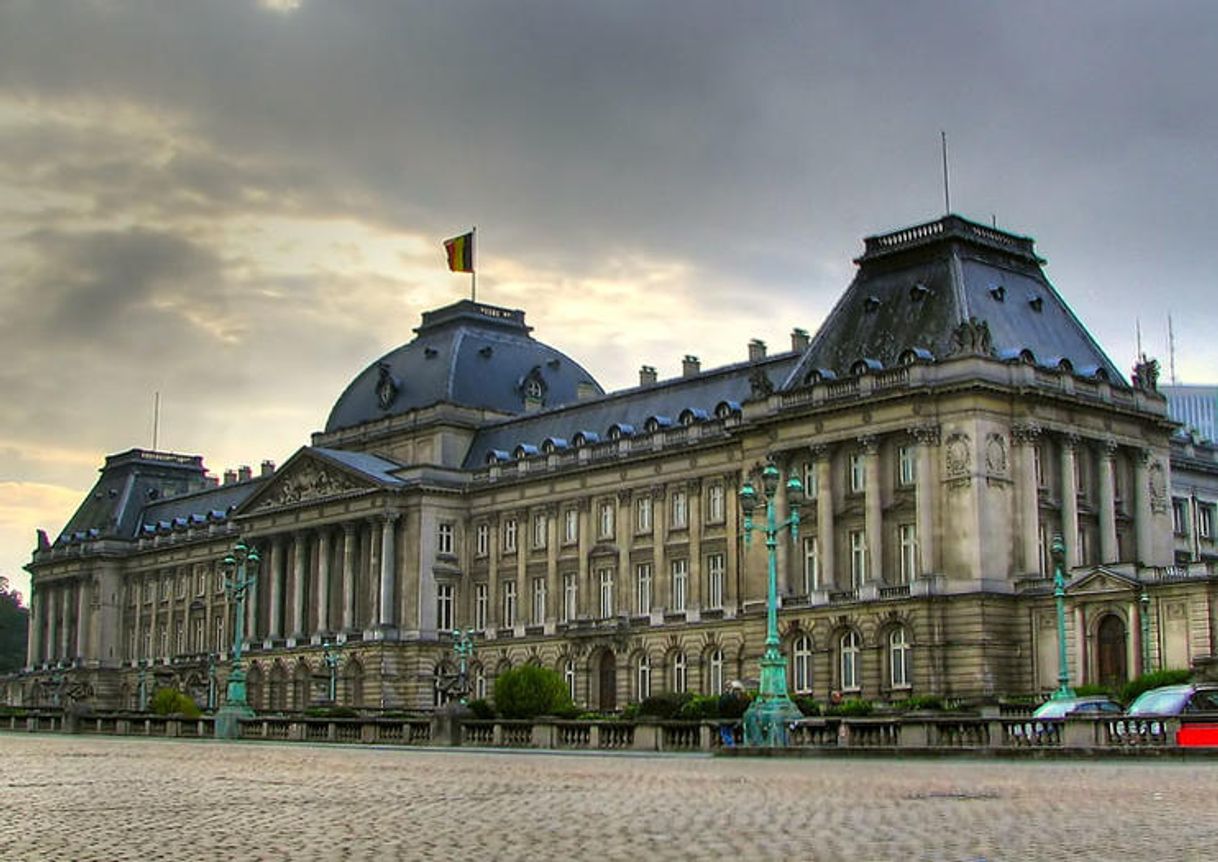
(950, 416)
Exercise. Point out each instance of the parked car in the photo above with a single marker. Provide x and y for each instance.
(1098, 704)
(1176, 700)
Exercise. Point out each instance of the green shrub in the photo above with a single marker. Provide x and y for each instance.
(1092, 689)
(331, 712)
(920, 702)
(630, 712)
(482, 709)
(732, 704)
(170, 701)
(664, 706)
(529, 691)
(699, 707)
(1147, 681)
(807, 705)
(851, 708)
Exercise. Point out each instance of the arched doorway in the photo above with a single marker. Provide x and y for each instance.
(1111, 667)
(606, 678)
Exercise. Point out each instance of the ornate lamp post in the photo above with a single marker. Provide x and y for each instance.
(330, 656)
(211, 682)
(1144, 604)
(1058, 549)
(142, 685)
(240, 567)
(767, 718)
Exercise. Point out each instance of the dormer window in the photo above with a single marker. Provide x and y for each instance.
(1036, 302)
(998, 292)
(866, 365)
(918, 292)
(532, 389)
(871, 304)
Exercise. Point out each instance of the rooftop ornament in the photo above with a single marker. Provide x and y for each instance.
(769, 716)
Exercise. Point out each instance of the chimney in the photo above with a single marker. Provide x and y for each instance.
(756, 350)
(244, 473)
(268, 467)
(584, 390)
(799, 340)
(690, 366)
(647, 375)
(230, 477)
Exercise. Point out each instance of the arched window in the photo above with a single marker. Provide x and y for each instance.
(568, 674)
(642, 677)
(898, 658)
(680, 673)
(849, 661)
(801, 664)
(714, 672)
(479, 682)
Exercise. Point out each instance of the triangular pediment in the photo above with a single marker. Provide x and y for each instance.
(313, 476)
(1100, 580)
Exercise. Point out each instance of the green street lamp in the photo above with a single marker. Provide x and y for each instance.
(142, 686)
(1058, 549)
(329, 655)
(240, 567)
(1144, 602)
(769, 715)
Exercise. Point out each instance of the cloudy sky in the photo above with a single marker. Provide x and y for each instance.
(240, 203)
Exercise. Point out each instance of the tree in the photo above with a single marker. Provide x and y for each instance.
(529, 691)
(14, 623)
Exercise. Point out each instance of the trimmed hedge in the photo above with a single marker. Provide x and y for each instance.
(529, 691)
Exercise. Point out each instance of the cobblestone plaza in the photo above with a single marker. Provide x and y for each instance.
(69, 798)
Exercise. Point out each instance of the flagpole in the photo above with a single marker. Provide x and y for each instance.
(473, 275)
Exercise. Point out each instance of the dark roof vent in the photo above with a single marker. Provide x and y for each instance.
(870, 304)
(1036, 302)
(998, 292)
(553, 363)
(430, 353)
(485, 352)
(918, 292)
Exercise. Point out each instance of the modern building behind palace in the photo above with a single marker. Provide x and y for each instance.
(949, 417)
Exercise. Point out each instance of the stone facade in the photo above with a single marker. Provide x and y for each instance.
(601, 535)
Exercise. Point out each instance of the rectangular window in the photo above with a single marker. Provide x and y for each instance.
(539, 601)
(570, 526)
(570, 596)
(220, 646)
(605, 576)
(200, 583)
(642, 514)
(1042, 539)
(1080, 474)
(858, 558)
(444, 537)
(1084, 556)
(642, 588)
(482, 540)
(179, 639)
(907, 466)
(811, 564)
(714, 503)
(181, 582)
(541, 524)
(509, 604)
(680, 580)
(445, 595)
(858, 473)
(1038, 465)
(714, 581)
(1205, 520)
(509, 536)
(907, 539)
(198, 642)
(678, 511)
(810, 479)
(606, 520)
(1179, 516)
(481, 606)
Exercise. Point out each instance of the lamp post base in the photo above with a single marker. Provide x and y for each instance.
(228, 719)
(770, 715)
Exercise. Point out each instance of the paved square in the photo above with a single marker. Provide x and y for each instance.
(84, 799)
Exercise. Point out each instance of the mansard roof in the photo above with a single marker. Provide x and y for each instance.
(630, 410)
(470, 354)
(916, 287)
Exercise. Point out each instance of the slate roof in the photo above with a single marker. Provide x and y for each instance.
(915, 286)
(468, 353)
(632, 407)
(374, 467)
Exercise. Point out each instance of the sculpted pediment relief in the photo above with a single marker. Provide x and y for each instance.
(309, 479)
(1101, 581)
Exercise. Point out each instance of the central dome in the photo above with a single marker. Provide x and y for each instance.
(470, 354)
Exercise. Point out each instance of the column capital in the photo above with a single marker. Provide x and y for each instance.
(624, 496)
(1027, 433)
(1107, 448)
(868, 444)
(658, 492)
(349, 527)
(1070, 440)
(693, 486)
(820, 451)
(390, 518)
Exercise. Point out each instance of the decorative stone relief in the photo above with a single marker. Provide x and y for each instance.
(959, 459)
(972, 337)
(1027, 433)
(925, 435)
(387, 386)
(624, 496)
(868, 444)
(760, 385)
(1146, 375)
(309, 482)
(1157, 483)
(996, 454)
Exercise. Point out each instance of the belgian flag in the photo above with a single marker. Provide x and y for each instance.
(460, 251)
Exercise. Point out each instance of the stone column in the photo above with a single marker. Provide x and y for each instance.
(275, 611)
(824, 515)
(1028, 492)
(33, 636)
(625, 575)
(927, 438)
(1109, 549)
(731, 511)
(553, 582)
(349, 539)
(52, 651)
(252, 598)
(323, 581)
(1143, 519)
(388, 570)
(1069, 443)
(873, 511)
(661, 578)
(300, 560)
(696, 588)
(65, 629)
(1080, 645)
(494, 614)
(82, 619)
(372, 567)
